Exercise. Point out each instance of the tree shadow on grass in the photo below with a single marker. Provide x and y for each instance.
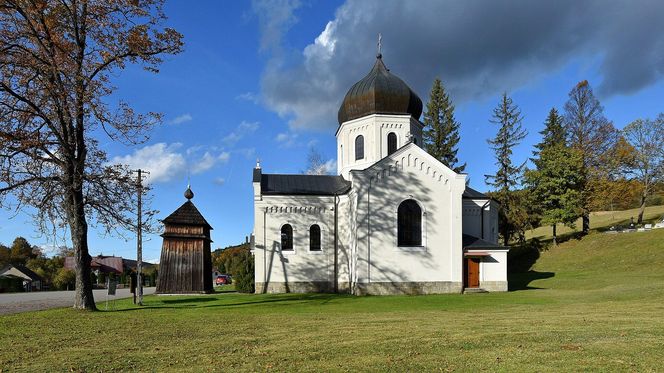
(203, 302)
(521, 281)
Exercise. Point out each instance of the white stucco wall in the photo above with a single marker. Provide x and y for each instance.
(473, 209)
(375, 129)
(493, 270)
(410, 173)
(301, 265)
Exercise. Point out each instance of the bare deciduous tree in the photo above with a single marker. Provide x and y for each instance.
(56, 60)
(647, 138)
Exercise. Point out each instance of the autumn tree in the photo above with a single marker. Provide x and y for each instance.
(591, 135)
(508, 175)
(4, 255)
(553, 183)
(441, 130)
(56, 63)
(647, 139)
(20, 251)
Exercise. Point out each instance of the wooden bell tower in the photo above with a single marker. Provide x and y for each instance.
(185, 266)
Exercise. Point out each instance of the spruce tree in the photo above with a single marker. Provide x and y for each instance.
(441, 131)
(553, 132)
(554, 184)
(508, 116)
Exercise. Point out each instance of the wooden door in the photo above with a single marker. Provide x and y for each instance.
(472, 273)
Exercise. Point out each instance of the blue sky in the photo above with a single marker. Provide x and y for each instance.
(264, 80)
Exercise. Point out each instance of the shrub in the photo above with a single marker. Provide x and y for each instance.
(523, 256)
(64, 279)
(243, 275)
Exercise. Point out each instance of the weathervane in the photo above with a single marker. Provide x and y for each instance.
(380, 43)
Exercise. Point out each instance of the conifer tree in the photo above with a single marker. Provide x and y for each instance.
(554, 183)
(590, 134)
(441, 131)
(553, 132)
(508, 116)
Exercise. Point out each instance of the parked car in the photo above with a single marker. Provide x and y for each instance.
(224, 280)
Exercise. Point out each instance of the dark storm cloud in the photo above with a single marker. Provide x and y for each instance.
(478, 48)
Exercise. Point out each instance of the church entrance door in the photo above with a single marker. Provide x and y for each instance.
(472, 269)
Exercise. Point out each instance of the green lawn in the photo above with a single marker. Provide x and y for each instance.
(602, 220)
(595, 304)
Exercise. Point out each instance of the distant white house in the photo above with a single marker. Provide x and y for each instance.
(394, 220)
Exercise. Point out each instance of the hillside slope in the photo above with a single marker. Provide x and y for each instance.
(610, 264)
(600, 220)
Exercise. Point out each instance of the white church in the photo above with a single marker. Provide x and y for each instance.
(393, 221)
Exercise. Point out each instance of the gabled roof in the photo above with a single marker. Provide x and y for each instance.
(24, 270)
(472, 242)
(409, 146)
(473, 194)
(187, 214)
(311, 185)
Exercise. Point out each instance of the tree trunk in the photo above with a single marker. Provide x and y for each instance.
(83, 299)
(642, 209)
(586, 222)
(555, 241)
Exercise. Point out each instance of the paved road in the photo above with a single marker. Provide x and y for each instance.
(35, 301)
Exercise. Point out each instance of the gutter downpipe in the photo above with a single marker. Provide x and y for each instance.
(369, 233)
(264, 251)
(482, 218)
(336, 243)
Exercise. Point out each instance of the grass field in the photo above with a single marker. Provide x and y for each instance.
(594, 304)
(601, 220)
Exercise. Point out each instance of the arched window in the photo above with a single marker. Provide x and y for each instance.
(391, 143)
(409, 220)
(286, 237)
(314, 238)
(359, 147)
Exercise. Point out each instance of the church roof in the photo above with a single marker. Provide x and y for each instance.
(472, 242)
(380, 92)
(473, 194)
(187, 214)
(313, 185)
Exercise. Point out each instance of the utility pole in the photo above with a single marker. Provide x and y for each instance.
(139, 236)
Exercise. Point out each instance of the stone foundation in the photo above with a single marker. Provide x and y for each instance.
(296, 287)
(374, 288)
(494, 286)
(409, 288)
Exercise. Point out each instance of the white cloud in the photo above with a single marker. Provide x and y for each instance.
(219, 181)
(286, 139)
(205, 163)
(247, 96)
(247, 152)
(275, 17)
(243, 129)
(224, 157)
(181, 119)
(165, 162)
(162, 160)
